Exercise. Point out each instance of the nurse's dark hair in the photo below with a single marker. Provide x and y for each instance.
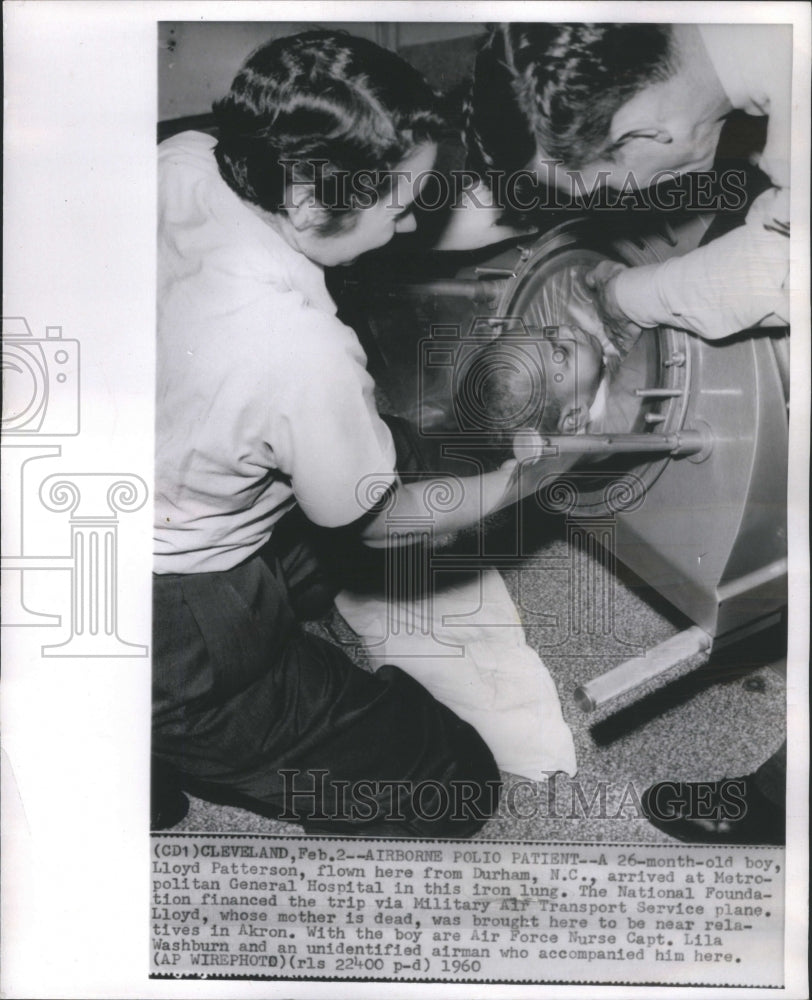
(326, 108)
(570, 79)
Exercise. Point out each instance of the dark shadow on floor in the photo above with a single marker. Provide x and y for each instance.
(729, 664)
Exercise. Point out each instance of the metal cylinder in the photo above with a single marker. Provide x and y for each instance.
(631, 674)
(687, 442)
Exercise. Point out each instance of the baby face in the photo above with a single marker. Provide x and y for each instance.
(573, 366)
(541, 382)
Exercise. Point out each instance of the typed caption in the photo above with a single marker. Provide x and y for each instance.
(227, 906)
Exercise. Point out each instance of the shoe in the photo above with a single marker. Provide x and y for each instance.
(731, 811)
(168, 804)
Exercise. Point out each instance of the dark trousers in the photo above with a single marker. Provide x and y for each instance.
(251, 710)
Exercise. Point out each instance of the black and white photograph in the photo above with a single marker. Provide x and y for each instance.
(414, 503)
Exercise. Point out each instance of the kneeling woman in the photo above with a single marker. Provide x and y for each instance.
(264, 405)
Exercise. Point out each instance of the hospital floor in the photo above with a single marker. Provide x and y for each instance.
(703, 720)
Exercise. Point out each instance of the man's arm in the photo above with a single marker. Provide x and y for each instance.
(738, 281)
(741, 279)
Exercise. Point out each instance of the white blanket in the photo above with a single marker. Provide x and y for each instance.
(466, 645)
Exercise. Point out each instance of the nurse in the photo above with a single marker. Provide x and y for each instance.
(266, 422)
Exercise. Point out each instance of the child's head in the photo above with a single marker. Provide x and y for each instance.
(543, 382)
(315, 126)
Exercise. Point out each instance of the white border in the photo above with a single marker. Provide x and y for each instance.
(79, 238)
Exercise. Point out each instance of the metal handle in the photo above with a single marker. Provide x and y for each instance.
(688, 442)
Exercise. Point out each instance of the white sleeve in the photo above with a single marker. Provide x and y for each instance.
(735, 282)
(326, 433)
